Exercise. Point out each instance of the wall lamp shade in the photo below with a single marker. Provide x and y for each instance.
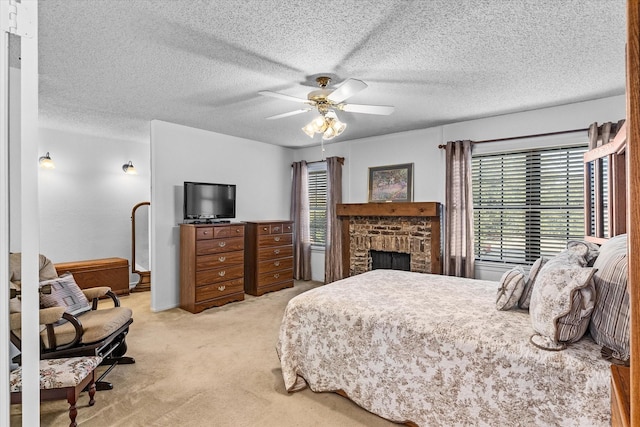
(46, 162)
(129, 169)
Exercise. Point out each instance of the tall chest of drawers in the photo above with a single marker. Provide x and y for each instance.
(269, 256)
(211, 265)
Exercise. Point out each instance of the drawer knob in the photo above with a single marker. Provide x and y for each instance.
(238, 230)
(222, 288)
(277, 239)
(205, 232)
(276, 275)
(276, 229)
(222, 258)
(222, 273)
(277, 263)
(264, 228)
(222, 244)
(277, 251)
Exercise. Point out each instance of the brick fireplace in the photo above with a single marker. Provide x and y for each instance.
(412, 228)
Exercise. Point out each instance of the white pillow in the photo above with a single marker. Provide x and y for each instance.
(562, 299)
(511, 287)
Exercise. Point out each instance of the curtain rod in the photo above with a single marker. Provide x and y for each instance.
(340, 160)
(524, 136)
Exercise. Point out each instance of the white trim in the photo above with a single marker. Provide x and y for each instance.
(30, 230)
(5, 402)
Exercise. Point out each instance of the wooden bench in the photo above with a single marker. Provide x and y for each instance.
(61, 378)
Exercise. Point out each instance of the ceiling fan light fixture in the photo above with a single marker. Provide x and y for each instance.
(309, 129)
(335, 127)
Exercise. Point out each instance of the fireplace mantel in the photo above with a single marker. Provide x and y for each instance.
(419, 209)
(386, 221)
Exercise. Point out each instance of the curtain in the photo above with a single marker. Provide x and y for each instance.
(333, 244)
(300, 218)
(458, 237)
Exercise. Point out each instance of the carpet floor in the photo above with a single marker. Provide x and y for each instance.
(215, 368)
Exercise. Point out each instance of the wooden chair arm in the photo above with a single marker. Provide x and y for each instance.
(51, 336)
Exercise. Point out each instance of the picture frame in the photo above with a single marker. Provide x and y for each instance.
(393, 183)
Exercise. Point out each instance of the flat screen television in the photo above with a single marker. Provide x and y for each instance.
(208, 201)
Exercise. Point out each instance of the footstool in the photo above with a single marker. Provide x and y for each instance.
(61, 378)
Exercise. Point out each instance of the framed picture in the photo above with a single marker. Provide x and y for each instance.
(392, 183)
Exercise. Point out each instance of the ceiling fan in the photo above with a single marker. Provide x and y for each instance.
(326, 102)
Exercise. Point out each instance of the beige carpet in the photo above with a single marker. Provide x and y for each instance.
(216, 368)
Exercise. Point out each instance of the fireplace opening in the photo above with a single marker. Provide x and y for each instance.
(390, 260)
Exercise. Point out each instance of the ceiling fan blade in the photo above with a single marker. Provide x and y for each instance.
(282, 96)
(290, 113)
(348, 88)
(383, 110)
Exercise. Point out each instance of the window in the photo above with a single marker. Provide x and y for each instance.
(528, 203)
(318, 202)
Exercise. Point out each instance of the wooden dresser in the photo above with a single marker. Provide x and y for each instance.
(211, 265)
(269, 256)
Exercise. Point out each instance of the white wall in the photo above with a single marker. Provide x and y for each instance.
(261, 173)
(420, 147)
(86, 201)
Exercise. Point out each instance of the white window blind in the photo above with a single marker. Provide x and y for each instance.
(318, 202)
(527, 204)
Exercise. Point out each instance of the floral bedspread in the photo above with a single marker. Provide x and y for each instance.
(434, 350)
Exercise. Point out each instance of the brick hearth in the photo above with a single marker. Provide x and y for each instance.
(412, 228)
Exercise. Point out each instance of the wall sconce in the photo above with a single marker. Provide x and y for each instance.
(46, 162)
(129, 169)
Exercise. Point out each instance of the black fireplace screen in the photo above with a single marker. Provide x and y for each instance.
(390, 260)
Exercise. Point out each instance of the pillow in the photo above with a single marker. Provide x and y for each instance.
(609, 325)
(562, 299)
(590, 250)
(65, 292)
(528, 286)
(511, 287)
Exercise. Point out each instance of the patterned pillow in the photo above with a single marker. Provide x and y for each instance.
(609, 325)
(590, 250)
(65, 292)
(525, 299)
(511, 287)
(562, 299)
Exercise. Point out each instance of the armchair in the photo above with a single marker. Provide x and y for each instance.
(72, 325)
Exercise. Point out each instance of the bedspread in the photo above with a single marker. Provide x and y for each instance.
(434, 350)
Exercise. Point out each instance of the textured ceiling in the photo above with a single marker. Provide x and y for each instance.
(108, 67)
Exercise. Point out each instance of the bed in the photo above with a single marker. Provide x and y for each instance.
(399, 345)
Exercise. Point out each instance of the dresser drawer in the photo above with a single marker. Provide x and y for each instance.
(266, 279)
(275, 252)
(205, 262)
(228, 231)
(274, 240)
(217, 290)
(275, 265)
(275, 228)
(216, 275)
(204, 247)
(204, 233)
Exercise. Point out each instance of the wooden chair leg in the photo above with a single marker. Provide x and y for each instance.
(72, 398)
(92, 390)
